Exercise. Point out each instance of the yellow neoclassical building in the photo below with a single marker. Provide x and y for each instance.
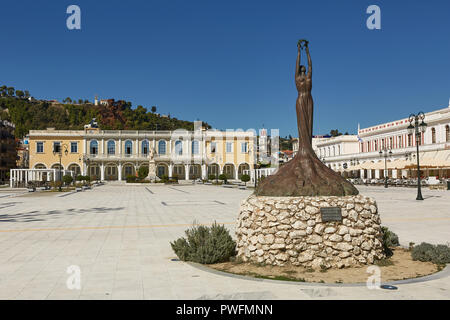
(116, 154)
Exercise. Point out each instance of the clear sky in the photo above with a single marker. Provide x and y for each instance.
(231, 63)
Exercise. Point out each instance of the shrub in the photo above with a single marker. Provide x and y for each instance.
(67, 179)
(205, 245)
(212, 177)
(80, 178)
(88, 178)
(131, 179)
(143, 172)
(438, 254)
(223, 177)
(245, 178)
(390, 239)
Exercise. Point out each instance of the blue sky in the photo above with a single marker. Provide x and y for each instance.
(231, 63)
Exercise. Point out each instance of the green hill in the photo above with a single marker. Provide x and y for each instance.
(38, 114)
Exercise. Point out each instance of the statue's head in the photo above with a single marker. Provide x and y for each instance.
(302, 69)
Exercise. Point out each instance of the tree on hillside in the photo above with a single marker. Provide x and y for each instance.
(27, 94)
(153, 109)
(3, 91)
(67, 100)
(19, 93)
(335, 133)
(11, 91)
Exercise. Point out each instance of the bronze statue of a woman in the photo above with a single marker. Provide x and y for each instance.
(305, 175)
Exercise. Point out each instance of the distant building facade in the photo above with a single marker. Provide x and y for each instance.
(116, 154)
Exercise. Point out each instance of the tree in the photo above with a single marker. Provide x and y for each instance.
(223, 177)
(11, 91)
(67, 179)
(67, 100)
(245, 178)
(335, 133)
(143, 172)
(27, 94)
(153, 109)
(3, 90)
(19, 93)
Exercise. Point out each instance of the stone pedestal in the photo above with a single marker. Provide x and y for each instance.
(290, 230)
(152, 171)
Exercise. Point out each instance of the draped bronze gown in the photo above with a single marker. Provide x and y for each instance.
(305, 174)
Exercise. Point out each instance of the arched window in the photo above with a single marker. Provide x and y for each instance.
(195, 149)
(111, 146)
(433, 135)
(145, 146)
(178, 147)
(447, 133)
(162, 147)
(93, 147)
(128, 147)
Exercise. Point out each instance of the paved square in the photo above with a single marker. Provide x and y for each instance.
(118, 235)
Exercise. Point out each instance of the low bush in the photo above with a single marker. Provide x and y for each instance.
(67, 179)
(131, 179)
(205, 245)
(245, 178)
(438, 254)
(212, 177)
(223, 177)
(390, 239)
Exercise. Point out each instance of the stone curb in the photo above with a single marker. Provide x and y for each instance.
(438, 275)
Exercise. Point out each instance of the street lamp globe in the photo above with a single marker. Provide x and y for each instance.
(423, 126)
(410, 128)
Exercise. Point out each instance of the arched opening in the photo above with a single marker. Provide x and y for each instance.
(195, 171)
(128, 148)
(213, 169)
(178, 171)
(178, 147)
(228, 170)
(241, 168)
(162, 170)
(145, 147)
(111, 172)
(128, 170)
(75, 169)
(195, 147)
(162, 147)
(93, 147)
(94, 171)
(111, 147)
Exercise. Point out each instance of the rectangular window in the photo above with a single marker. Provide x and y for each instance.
(74, 147)
(57, 147)
(39, 147)
(213, 147)
(229, 147)
(244, 147)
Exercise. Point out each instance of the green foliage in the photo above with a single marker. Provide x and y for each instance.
(67, 179)
(205, 245)
(245, 178)
(223, 177)
(438, 254)
(37, 115)
(79, 178)
(88, 178)
(131, 179)
(212, 177)
(390, 239)
(143, 172)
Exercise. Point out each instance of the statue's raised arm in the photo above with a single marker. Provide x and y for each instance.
(297, 64)
(309, 60)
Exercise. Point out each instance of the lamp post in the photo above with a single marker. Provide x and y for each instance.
(57, 151)
(417, 128)
(385, 153)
